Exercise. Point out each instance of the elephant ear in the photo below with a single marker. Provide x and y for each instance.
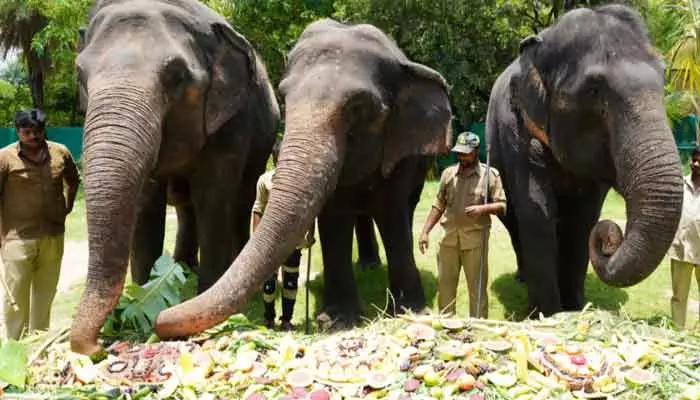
(528, 94)
(420, 119)
(233, 74)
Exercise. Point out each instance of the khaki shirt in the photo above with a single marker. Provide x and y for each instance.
(458, 190)
(263, 194)
(686, 244)
(33, 202)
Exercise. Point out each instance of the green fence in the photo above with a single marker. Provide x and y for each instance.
(71, 137)
(684, 131)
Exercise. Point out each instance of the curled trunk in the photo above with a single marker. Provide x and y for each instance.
(650, 179)
(310, 161)
(122, 136)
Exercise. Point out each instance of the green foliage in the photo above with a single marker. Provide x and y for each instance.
(469, 41)
(13, 363)
(273, 26)
(169, 284)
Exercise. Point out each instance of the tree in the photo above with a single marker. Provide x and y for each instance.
(19, 23)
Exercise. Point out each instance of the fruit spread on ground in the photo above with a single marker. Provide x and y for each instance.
(405, 358)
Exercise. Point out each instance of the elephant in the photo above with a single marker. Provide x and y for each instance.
(174, 96)
(578, 112)
(362, 123)
(149, 232)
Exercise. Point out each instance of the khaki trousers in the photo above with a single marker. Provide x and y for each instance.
(450, 261)
(30, 269)
(681, 274)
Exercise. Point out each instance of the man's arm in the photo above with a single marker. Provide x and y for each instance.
(498, 199)
(72, 179)
(435, 213)
(433, 218)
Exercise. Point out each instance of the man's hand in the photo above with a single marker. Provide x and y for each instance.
(475, 211)
(423, 243)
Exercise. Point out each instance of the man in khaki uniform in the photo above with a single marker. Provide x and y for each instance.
(290, 269)
(685, 249)
(34, 173)
(460, 203)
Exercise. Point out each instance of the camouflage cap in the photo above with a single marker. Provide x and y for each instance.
(466, 143)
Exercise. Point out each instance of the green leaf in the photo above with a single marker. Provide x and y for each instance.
(13, 363)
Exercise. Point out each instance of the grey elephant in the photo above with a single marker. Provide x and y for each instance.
(361, 125)
(581, 111)
(174, 94)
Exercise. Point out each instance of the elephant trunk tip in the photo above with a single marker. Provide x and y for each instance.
(605, 239)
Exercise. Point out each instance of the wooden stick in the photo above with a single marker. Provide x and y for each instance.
(60, 335)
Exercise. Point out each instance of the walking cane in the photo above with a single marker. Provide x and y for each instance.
(306, 286)
(484, 233)
(13, 303)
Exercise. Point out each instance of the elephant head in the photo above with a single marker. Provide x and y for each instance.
(157, 78)
(355, 106)
(590, 88)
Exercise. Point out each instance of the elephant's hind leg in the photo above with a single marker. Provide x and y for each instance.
(149, 232)
(186, 245)
(367, 247)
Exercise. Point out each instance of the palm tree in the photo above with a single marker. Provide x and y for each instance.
(19, 23)
(684, 55)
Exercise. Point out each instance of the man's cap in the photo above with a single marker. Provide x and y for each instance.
(30, 118)
(466, 143)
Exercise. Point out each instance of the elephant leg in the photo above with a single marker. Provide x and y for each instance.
(394, 221)
(577, 216)
(534, 204)
(340, 297)
(149, 231)
(367, 247)
(215, 183)
(511, 223)
(186, 245)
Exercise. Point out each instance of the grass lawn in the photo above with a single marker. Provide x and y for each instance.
(507, 297)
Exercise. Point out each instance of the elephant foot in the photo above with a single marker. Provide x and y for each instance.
(335, 320)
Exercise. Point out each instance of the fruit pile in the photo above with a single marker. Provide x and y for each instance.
(426, 357)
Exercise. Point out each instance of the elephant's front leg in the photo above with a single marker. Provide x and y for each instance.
(396, 200)
(149, 232)
(340, 298)
(578, 213)
(404, 279)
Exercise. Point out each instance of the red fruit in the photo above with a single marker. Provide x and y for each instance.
(321, 394)
(255, 396)
(578, 359)
(411, 385)
(300, 392)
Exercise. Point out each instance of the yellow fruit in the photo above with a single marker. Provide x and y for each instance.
(432, 378)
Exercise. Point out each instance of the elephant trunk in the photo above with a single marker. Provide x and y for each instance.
(649, 177)
(122, 136)
(308, 168)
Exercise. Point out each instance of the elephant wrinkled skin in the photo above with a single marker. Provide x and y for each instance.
(361, 123)
(174, 95)
(581, 111)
